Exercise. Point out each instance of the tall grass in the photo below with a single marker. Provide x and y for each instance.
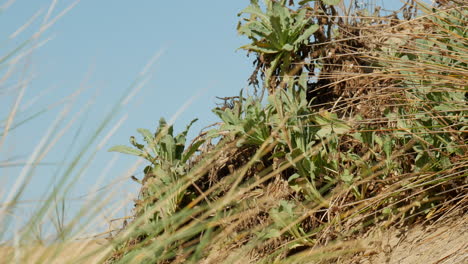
(46, 232)
(378, 140)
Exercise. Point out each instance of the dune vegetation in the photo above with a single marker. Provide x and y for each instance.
(363, 125)
(356, 124)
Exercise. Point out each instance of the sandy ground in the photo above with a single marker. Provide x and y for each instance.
(445, 242)
(72, 252)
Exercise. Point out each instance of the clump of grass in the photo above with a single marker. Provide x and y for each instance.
(375, 137)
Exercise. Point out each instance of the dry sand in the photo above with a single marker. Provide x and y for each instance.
(444, 242)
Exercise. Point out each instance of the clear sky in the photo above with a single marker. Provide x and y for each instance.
(103, 45)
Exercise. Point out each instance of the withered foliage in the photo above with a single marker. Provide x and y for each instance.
(401, 160)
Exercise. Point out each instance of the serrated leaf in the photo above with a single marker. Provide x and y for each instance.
(169, 147)
(259, 28)
(254, 10)
(301, 21)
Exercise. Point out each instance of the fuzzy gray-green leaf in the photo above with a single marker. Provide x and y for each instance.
(127, 150)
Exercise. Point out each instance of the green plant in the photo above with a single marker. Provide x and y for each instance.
(247, 120)
(289, 175)
(282, 38)
(295, 128)
(277, 34)
(169, 158)
(436, 88)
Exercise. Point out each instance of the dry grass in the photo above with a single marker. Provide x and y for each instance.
(244, 194)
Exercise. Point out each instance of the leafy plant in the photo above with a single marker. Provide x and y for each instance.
(277, 34)
(330, 169)
(247, 120)
(169, 158)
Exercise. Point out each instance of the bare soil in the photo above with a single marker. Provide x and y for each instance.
(443, 242)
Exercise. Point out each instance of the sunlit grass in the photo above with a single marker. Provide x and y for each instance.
(257, 210)
(42, 231)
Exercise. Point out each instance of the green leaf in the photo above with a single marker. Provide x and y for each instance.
(254, 10)
(387, 147)
(127, 150)
(331, 2)
(273, 233)
(330, 124)
(287, 207)
(169, 148)
(340, 128)
(278, 38)
(293, 177)
(136, 144)
(288, 47)
(301, 21)
(422, 160)
(182, 137)
(162, 127)
(147, 135)
(347, 177)
(189, 152)
(306, 35)
(267, 50)
(259, 28)
(269, 71)
(387, 211)
(303, 80)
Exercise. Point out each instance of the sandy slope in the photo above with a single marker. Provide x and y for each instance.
(444, 242)
(71, 252)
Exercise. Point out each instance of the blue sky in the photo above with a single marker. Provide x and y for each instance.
(103, 45)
